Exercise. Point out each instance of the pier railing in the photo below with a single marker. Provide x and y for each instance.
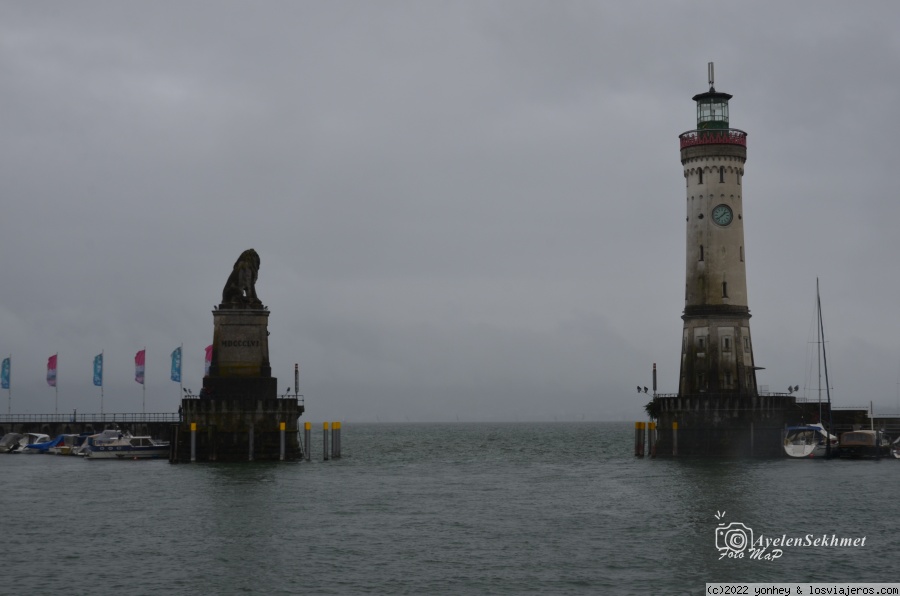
(70, 417)
(248, 396)
(721, 136)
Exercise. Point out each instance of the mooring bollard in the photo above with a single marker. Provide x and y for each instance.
(325, 440)
(250, 443)
(307, 432)
(281, 427)
(674, 438)
(193, 441)
(639, 439)
(651, 439)
(335, 440)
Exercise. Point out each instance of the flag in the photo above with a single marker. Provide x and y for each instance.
(139, 366)
(98, 370)
(176, 365)
(4, 374)
(208, 360)
(51, 370)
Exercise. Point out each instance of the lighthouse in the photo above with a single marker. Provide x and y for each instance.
(718, 409)
(716, 346)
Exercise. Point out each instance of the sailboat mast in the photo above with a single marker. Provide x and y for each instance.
(825, 365)
(819, 346)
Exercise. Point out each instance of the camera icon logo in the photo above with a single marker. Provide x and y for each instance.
(734, 538)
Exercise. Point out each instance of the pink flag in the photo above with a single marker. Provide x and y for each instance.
(208, 360)
(51, 370)
(139, 366)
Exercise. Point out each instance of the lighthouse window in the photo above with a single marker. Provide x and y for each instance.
(700, 173)
(738, 175)
(724, 289)
(721, 173)
(742, 254)
(701, 252)
(746, 343)
(728, 379)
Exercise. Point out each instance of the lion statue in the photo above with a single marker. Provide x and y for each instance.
(241, 285)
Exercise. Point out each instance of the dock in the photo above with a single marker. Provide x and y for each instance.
(157, 425)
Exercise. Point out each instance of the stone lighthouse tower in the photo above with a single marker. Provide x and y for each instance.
(718, 410)
(716, 348)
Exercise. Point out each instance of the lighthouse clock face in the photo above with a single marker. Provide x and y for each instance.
(722, 215)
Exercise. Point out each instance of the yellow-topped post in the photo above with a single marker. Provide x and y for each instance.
(193, 441)
(307, 434)
(335, 440)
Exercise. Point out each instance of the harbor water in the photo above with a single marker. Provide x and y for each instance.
(459, 508)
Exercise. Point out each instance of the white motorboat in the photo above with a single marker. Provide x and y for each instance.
(810, 440)
(31, 443)
(128, 447)
(101, 438)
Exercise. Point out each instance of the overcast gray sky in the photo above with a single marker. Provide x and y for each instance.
(468, 210)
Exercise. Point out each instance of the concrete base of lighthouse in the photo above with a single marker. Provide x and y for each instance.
(722, 425)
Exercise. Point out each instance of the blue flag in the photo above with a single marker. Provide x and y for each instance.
(176, 365)
(4, 374)
(98, 370)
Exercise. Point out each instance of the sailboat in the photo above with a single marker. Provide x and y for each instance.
(813, 440)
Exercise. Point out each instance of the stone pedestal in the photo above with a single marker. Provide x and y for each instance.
(238, 415)
(240, 343)
(240, 357)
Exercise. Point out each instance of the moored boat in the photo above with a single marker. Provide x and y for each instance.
(43, 446)
(101, 438)
(128, 447)
(864, 443)
(810, 440)
(67, 444)
(9, 442)
(32, 443)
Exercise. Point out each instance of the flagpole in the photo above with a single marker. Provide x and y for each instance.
(56, 386)
(144, 385)
(181, 371)
(9, 388)
(101, 383)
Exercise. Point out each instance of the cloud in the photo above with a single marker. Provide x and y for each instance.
(464, 209)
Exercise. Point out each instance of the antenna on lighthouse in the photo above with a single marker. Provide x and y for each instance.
(712, 76)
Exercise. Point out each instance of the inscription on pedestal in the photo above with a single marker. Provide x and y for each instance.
(241, 344)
